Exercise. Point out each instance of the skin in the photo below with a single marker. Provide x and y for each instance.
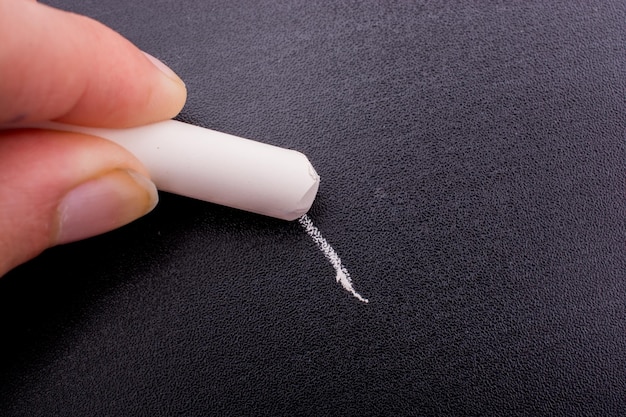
(60, 187)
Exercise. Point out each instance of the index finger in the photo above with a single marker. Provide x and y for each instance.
(56, 65)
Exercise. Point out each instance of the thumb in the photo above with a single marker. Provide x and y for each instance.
(60, 187)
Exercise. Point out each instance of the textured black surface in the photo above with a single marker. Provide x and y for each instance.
(473, 158)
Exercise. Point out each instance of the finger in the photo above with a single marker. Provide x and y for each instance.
(56, 65)
(60, 187)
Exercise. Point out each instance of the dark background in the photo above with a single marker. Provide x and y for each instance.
(473, 165)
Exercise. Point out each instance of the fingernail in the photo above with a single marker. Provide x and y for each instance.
(164, 68)
(103, 204)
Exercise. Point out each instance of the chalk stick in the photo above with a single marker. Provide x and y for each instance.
(217, 167)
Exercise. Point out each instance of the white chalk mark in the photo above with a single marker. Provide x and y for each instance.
(343, 276)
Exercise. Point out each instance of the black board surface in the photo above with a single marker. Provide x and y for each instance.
(473, 165)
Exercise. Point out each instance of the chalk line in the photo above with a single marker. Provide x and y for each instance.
(343, 276)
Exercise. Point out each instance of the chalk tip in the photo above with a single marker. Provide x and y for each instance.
(305, 203)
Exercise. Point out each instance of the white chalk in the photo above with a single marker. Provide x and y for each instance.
(217, 167)
(343, 276)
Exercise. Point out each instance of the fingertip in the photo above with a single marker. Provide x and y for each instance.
(171, 92)
(98, 205)
(160, 65)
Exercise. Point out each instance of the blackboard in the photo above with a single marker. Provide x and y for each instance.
(473, 180)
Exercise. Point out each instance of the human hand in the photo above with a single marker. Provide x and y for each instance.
(61, 187)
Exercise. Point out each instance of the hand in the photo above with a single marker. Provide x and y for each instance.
(61, 187)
